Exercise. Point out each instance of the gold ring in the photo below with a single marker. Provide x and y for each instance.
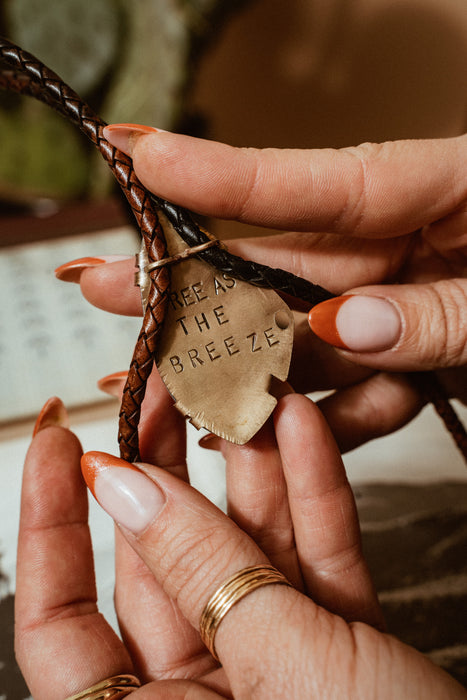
(229, 593)
(183, 255)
(113, 688)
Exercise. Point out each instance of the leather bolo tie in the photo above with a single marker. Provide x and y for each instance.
(211, 329)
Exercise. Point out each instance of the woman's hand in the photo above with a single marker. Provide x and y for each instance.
(290, 505)
(399, 212)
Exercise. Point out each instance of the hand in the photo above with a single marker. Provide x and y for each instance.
(293, 507)
(399, 210)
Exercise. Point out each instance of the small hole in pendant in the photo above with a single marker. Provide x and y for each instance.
(282, 319)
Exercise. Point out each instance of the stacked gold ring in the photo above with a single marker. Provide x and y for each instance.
(113, 688)
(231, 592)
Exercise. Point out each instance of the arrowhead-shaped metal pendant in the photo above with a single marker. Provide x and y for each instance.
(222, 343)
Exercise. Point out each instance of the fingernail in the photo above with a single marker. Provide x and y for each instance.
(124, 136)
(210, 442)
(53, 412)
(113, 384)
(71, 271)
(357, 323)
(130, 497)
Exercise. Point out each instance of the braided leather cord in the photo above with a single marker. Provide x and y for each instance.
(31, 77)
(233, 265)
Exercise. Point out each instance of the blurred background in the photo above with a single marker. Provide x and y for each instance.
(306, 73)
(315, 73)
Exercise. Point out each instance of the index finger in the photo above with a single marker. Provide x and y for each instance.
(62, 642)
(370, 190)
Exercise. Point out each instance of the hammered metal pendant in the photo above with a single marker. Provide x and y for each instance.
(223, 346)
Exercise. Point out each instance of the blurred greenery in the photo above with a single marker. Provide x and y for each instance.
(131, 61)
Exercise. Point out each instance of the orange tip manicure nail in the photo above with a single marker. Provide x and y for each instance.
(93, 463)
(113, 384)
(52, 413)
(71, 271)
(322, 321)
(210, 442)
(124, 136)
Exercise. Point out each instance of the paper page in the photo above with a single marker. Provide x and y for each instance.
(52, 341)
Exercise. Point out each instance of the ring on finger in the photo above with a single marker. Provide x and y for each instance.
(113, 688)
(231, 592)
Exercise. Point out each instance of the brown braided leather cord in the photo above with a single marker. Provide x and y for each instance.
(32, 78)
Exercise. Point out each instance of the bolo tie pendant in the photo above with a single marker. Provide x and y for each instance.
(225, 347)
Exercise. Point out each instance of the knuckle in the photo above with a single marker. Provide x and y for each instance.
(342, 562)
(189, 556)
(444, 319)
(373, 407)
(247, 193)
(353, 213)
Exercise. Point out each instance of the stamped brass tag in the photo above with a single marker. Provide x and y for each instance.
(222, 343)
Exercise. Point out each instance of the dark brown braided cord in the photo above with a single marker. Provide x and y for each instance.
(233, 265)
(32, 78)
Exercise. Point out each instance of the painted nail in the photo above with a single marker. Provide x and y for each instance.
(71, 271)
(124, 136)
(53, 412)
(130, 497)
(210, 442)
(113, 384)
(357, 323)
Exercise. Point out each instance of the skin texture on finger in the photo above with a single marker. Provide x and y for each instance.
(177, 690)
(161, 641)
(324, 515)
(111, 287)
(257, 499)
(370, 409)
(63, 644)
(335, 262)
(373, 189)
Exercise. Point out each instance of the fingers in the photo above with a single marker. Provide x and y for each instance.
(374, 189)
(161, 641)
(105, 282)
(323, 511)
(190, 546)
(185, 540)
(335, 262)
(176, 650)
(55, 596)
(398, 328)
(257, 499)
(370, 409)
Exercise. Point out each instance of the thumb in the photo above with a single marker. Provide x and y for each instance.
(400, 328)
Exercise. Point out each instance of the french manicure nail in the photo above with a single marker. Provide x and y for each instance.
(53, 412)
(124, 136)
(357, 323)
(128, 495)
(113, 384)
(71, 271)
(210, 442)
